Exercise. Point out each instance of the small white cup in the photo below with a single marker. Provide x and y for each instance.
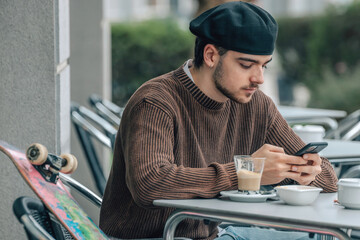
(349, 192)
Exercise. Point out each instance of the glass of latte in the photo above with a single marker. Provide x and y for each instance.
(249, 171)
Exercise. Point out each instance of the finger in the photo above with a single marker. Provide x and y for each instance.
(294, 168)
(301, 178)
(293, 160)
(305, 179)
(306, 169)
(291, 175)
(314, 159)
(273, 148)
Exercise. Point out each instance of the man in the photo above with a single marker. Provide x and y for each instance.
(180, 131)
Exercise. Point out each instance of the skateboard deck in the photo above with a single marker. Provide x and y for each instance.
(55, 197)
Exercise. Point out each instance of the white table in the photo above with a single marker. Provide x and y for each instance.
(289, 112)
(341, 149)
(344, 156)
(323, 117)
(323, 216)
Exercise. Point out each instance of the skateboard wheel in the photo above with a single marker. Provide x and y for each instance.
(75, 166)
(37, 153)
(71, 163)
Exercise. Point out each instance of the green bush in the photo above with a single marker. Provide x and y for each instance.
(338, 92)
(335, 42)
(293, 32)
(323, 52)
(144, 50)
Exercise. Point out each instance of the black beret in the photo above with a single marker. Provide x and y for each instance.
(237, 26)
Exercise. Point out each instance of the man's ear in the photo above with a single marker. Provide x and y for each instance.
(211, 55)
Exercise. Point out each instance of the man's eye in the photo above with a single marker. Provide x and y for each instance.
(264, 67)
(245, 66)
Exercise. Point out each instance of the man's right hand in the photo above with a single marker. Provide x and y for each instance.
(278, 165)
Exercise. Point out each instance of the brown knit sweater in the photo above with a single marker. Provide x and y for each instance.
(174, 142)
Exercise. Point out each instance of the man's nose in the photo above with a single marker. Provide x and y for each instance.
(257, 76)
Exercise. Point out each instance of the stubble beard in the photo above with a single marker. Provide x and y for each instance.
(218, 79)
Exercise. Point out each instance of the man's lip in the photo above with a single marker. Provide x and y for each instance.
(250, 89)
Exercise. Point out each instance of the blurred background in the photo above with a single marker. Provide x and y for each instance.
(316, 63)
(68, 66)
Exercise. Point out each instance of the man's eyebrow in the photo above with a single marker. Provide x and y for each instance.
(253, 60)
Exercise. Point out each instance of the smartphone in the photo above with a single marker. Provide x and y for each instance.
(313, 147)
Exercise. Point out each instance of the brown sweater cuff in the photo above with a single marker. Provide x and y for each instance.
(231, 170)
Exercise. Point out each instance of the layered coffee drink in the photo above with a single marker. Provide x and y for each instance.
(249, 171)
(248, 180)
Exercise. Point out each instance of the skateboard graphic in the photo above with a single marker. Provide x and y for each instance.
(40, 171)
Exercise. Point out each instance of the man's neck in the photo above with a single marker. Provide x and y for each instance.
(203, 79)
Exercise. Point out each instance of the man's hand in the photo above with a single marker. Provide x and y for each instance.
(308, 171)
(279, 166)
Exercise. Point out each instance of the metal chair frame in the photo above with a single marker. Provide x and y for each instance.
(326, 122)
(353, 133)
(33, 215)
(106, 109)
(345, 126)
(84, 191)
(85, 130)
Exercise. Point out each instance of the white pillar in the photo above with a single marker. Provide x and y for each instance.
(90, 73)
(34, 90)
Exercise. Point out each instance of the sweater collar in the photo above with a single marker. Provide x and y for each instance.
(196, 92)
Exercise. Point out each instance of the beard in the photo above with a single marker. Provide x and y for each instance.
(218, 77)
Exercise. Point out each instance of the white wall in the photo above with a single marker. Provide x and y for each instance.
(90, 73)
(34, 90)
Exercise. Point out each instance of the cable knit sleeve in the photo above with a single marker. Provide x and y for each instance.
(281, 134)
(151, 170)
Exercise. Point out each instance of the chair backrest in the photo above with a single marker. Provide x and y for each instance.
(352, 172)
(345, 126)
(353, 133)
(89, 119)
(326, 122)
(37, 221)
(106, 109)
(87, 132)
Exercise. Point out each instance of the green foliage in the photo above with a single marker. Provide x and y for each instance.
(335, 41)
(144, 50)
(291, 48)
(323, 52)
(338, 92)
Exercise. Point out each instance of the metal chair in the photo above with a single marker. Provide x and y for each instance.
(106, 109)
(353, 134)
(81, 115)
(36, 220)
(84, 191)
(328, 123)
(87, 132)
(348, 128)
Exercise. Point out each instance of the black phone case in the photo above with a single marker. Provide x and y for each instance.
(313, 147)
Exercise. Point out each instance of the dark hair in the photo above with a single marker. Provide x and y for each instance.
(199, 51)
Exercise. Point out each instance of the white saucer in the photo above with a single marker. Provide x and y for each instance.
(235, 195)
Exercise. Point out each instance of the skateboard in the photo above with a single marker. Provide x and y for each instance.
(40, 170)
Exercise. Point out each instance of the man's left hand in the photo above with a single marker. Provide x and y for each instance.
(309, 171)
